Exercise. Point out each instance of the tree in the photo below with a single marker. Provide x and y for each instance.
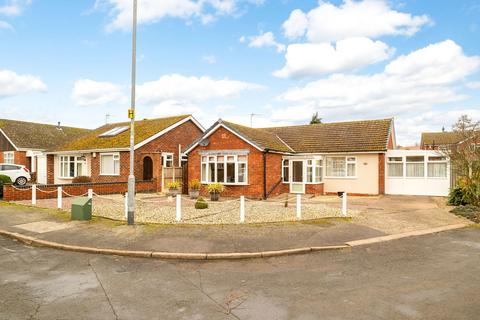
(315, 119)
(465, 157)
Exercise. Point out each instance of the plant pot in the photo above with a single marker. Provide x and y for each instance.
(214, 196)
(194, 193)
(173, 192)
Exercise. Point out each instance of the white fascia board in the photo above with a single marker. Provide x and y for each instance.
(228, 129)
(173, 126)
(11, 142)
(339, 153)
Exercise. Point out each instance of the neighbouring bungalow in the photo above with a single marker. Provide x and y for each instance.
(103, 154)
(312, 159)
(25, 143)
(443, 140)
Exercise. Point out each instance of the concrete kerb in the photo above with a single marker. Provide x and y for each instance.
(218, 256)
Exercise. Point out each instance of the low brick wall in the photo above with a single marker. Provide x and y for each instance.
(15, 193)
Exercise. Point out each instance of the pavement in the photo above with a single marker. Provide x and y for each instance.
(435, 276)
(53, 228)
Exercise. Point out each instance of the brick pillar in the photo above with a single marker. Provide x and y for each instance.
(50, 169)
(381, 173)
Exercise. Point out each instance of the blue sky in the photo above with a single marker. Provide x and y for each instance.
(69, 61)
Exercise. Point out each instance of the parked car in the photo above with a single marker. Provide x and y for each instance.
(20, 175)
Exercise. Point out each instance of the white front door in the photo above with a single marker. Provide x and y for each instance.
(42, 169)
(297, 184)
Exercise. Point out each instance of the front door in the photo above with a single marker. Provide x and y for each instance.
(297, 185)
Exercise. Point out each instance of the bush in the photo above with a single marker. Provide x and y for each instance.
(4, 180)
(82, 179)
(215, 188)
(194, 184)
(457, 197)
(469, 212)
(201, 204)
(174, 185)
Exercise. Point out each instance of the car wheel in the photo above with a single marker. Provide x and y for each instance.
(21, 181)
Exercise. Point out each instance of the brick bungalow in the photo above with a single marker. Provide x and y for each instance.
(24, 143)
(103, 154)
(311, 159)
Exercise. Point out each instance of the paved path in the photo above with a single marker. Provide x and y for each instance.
(429, 277)
(48, 225)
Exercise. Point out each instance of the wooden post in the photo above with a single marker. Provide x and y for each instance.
(34, 194)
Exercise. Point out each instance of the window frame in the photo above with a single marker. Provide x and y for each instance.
(315, 162)
(165, 156)
(415, 162)
(9, 153)
(347, 162)
(113, 155)
(444, 161)
(75, 162)
(207, 160)
(402, 162)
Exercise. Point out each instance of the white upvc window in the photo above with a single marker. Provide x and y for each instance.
(167, 159)
(395, 167)
(437, 167)
(109, 164)
(341, 167)
(415, 166)
(9, 157)
(225, 169)
(318, 170)
(285, 170)
(72, 166)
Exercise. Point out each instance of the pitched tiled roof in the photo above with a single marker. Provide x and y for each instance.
(144, 129)
(440, 138)
(38, 136)
(353, 136)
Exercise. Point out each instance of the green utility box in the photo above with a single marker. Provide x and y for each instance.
(82, 209)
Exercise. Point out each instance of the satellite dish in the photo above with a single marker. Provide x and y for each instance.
(205, 142)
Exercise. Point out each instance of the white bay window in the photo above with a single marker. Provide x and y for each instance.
(109, 164)
(225, 169)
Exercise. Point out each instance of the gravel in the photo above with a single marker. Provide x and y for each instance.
(157, 208)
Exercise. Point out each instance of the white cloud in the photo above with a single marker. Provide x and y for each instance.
(308, 59)
(209, 59)
(14, 7)
(94, 93)
(12, 84)
(474, 85)
(266, 39)
(416, 82)
(368, 18)
(5, 25)
(183, 88)
(151, 11)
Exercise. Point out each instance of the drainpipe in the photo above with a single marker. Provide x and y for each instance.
(265, 174)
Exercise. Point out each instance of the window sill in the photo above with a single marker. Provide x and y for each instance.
(226, 184)
(342, 178)
(109, 175)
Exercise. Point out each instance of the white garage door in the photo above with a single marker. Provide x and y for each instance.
(42, 169)
(417, 172)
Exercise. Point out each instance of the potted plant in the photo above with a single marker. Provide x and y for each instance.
(194, 188)
(215, 189)
(174, 188)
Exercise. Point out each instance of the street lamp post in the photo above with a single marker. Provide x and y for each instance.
(131, 115)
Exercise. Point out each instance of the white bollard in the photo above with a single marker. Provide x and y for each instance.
(344, 204)
(299, 206)
(90, 193)
(242, 209)
(59, 197)
(178, 215)
(34, 194)
(126, 205)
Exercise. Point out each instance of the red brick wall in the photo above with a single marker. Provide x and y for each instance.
(381, 173)
(19, 157)
(316, 189)
(50, 169)
(16, 194)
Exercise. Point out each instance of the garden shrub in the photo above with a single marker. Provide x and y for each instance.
(457, 197)
(82, 179)
(201, 204)
(4, 180)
